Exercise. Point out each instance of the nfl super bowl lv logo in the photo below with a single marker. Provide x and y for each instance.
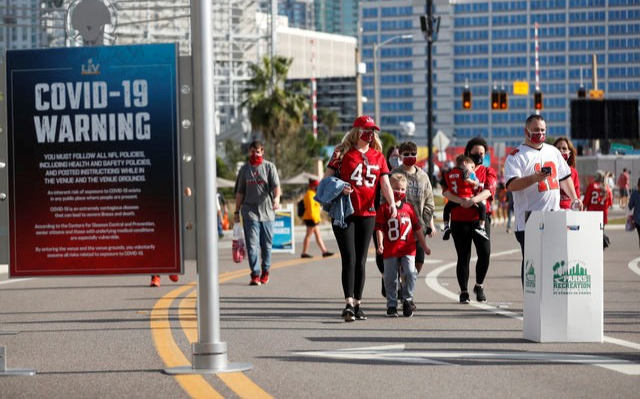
(571, 278)
(530, 277)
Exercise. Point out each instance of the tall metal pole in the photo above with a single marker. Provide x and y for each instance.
(209, 354)
(430, 86)
(376, 94)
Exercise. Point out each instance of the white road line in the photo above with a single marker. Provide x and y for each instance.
(431, 280)
(633, 265)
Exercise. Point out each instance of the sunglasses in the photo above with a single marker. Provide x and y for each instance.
(409, 154)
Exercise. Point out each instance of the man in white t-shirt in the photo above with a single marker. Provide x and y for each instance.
(535, 172)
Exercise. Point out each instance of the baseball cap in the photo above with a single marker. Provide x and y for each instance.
(365, 121)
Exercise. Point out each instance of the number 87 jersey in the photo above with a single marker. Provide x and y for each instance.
(398, 232)
(363, 172)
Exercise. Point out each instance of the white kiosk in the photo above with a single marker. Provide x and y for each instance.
(563, 278)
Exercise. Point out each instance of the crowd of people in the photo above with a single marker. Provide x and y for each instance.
(388, 198)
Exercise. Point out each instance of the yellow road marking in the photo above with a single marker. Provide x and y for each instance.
(195, 385)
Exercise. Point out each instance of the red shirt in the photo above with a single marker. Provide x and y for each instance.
(398, 232)
(488, 177)
(363, 172)
(596, 200)
(565, 201)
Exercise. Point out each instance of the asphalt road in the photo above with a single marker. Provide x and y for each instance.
(112, 337)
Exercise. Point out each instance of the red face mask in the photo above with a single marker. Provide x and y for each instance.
(366, 135)
(255, 159)
(566, 155)
(398, 195)
(537, 138)
(409, 161)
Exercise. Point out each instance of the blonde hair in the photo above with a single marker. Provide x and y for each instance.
(399, 178)
(351, 139)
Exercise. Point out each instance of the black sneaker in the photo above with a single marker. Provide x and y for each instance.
(447, 233)
(384, 290)
(482, 233)
(348, 314)
(464, 297)
(392, 311)
(406, 309)
(359, 313)
(413, 305)
(479, 291)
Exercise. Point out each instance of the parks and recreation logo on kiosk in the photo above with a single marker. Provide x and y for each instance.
(530, 277)
(571, 278)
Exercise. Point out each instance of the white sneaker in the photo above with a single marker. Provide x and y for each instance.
(482, 233)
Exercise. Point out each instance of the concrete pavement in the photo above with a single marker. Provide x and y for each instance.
(113, 336)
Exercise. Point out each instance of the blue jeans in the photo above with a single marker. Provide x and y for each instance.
(258, 236)
(409, 272)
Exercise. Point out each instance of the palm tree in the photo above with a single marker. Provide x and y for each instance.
(274, 110)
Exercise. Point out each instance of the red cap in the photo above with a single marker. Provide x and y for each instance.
(365, 122)
(313, 183)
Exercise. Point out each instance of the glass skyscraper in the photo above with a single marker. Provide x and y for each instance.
(491, 44)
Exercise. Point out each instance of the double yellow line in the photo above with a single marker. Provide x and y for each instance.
(195, 385)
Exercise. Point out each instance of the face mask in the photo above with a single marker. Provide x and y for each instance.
(366, 135)
(398, 195)
(394, 162)
(409, 161)
(566, 155)
(536, 138)
(477, 158)
(255, 159)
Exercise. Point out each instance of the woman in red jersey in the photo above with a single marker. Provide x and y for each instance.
(569, 154)
(358, 160)
(598, 196)
(464, 221)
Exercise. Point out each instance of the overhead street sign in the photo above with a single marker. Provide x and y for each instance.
(520, 88)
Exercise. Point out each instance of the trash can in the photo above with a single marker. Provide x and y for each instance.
(563, 277)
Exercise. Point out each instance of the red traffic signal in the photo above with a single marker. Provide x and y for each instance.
(495, 100)
(537, 100)
(466, 99)
(504, 104)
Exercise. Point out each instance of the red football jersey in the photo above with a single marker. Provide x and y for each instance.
(596, 200)
(398, 232)
(363, 172)
(565, 201)
(488, 177)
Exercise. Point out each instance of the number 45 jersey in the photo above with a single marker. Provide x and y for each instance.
(398, 232)
(543, 196)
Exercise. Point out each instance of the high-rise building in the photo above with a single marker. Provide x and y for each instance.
(490, 44)
(337, 16)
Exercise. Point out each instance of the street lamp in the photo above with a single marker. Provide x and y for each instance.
(376, 94)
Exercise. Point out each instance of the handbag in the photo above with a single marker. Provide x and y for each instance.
(237, 243)
(630, 225)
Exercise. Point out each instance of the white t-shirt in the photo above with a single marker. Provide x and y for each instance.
(543, 196)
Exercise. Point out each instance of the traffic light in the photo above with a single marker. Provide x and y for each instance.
(503, 100)
(466, 99)
(582, 93)
(495, 99)
(537, 100)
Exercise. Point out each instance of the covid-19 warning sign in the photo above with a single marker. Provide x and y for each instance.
(93, 161)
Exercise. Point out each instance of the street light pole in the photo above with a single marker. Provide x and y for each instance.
(430, 27)
(376, 93)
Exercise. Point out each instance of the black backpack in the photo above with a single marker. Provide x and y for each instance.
(300, 208)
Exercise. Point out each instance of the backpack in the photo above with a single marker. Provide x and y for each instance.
(301, 208)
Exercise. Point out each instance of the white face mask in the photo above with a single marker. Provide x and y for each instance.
(394, 161)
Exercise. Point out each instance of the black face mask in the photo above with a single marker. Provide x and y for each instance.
(476, 158)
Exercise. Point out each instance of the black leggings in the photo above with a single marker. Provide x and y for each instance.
(353, 243)
(463, 234)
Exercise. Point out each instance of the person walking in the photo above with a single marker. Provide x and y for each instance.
(623, 188)
(464, 222)
(359, 162)
(257, 197)
(569, 153)
(599, 198)
(311, 219)
(634, 205)
(535, 172)
(397, 238)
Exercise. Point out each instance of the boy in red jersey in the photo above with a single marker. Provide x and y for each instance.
(397, 244)
(463, 183)
(599, 196)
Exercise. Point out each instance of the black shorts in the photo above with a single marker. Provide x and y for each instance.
(310, 223)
